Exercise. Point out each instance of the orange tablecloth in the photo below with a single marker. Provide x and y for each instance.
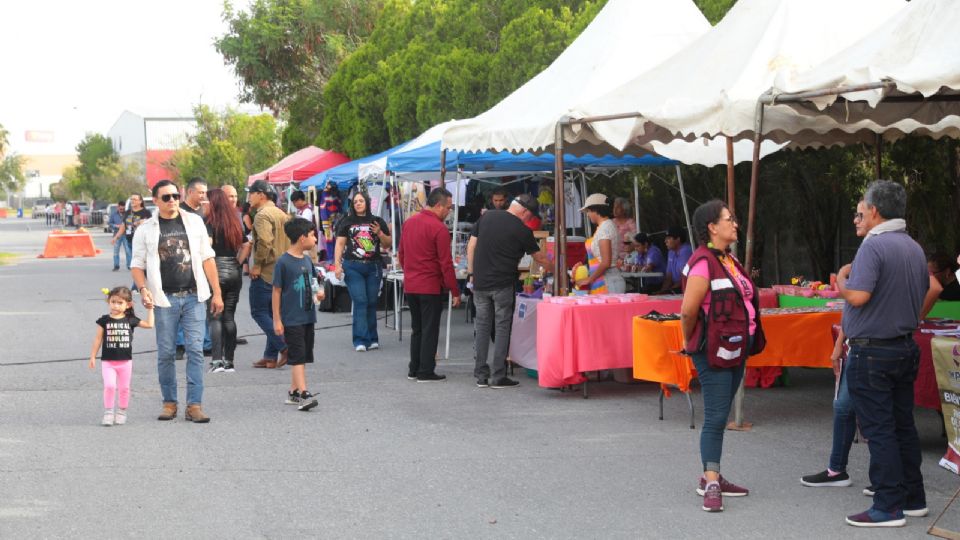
(793, 339)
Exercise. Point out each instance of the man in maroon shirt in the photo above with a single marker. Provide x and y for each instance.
(427, 272)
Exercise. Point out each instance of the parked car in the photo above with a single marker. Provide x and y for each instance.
(40, 207)
(111, 208)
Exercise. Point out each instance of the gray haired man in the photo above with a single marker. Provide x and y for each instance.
(884, 289)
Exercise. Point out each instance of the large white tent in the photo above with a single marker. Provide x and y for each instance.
(711, 87)
(914, 52)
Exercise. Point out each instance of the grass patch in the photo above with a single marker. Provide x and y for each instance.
(7, 258)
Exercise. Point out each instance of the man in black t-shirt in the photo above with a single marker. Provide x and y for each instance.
(498, 242)
(196, 196)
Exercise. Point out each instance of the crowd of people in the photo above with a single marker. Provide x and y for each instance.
(188, 259)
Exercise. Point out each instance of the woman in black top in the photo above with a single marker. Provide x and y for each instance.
(226, 237)
(357, 260)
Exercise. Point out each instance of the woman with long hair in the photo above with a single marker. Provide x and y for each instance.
(226, 237)
(720, 318)
(357, 258)
(603, 249)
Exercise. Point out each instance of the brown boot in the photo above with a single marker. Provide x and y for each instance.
(169, 411)
(265, 363)
(195, 414)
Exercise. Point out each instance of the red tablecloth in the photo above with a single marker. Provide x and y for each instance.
(925, 391)
(576, 338)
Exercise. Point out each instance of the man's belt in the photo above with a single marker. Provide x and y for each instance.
(181, 294)
(876, 342)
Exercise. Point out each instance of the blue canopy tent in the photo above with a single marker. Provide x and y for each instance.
(427, 159)
(345, 175)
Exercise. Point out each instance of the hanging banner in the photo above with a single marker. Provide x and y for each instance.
(946, 362)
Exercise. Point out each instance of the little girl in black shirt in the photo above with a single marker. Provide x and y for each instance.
(115, 333)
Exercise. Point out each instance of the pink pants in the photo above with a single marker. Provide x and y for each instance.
(116, 376)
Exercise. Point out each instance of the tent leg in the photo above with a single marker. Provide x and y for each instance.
(636, 201)
(683, 198)
(560, 232)
(588, 227)
(453, 249)
(738, 423)
(731, 179)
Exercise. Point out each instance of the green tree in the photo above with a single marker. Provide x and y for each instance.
(12, 179)
(714, 10)
(94, 152)
(228, 147)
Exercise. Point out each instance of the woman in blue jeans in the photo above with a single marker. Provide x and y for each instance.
(357, 261)
(720, 318)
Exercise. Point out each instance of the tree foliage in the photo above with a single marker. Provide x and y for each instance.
(284, 51)
(228, 147)
(434, 60)
(12, 178)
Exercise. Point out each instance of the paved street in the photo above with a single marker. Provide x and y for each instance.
(383, 457)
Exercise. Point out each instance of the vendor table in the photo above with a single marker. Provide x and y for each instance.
(640, 276)
(793, 339)
(925, 391)
(576, 338)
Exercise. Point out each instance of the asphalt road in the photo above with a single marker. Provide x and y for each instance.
(384, 457)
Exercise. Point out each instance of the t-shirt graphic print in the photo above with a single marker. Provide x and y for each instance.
(117, 337)
(176, 266)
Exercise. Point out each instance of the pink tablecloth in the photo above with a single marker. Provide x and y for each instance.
(576, 338)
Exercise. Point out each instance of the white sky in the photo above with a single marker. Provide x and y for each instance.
(72, 67)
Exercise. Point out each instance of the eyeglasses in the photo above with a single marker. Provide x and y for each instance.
(731, 218)
(170, 196)
(858, 217)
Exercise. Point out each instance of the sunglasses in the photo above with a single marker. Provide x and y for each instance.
(170, 197)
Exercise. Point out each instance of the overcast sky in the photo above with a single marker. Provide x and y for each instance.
(72, 67)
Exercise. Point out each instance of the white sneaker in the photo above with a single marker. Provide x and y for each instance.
(120, 418)
(360, 348)
(373, 346)
(107, 418)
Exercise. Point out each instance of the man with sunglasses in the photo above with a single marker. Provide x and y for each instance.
(174, 270)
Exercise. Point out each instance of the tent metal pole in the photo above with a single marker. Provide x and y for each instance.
(453, 250)
(878, 148)
(560, 231)
(731, 179)
(738, 422)
(588, 227)
(683, 198)
(636, 201)
(443, 167)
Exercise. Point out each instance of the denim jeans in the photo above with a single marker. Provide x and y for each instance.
(187, 313)
(363, 282)
(844, 423)
(881, 381)
(123, 244)
(494, 309)
(718, 386)
(261, 309)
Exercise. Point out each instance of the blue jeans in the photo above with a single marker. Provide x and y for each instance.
(185, 312)
(261, 309)
(363, 282)
(207, 341)
(718, 387)
(844, 423)
(881, 381)
(122, 243)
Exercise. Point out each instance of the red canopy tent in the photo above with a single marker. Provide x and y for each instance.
(300, 165)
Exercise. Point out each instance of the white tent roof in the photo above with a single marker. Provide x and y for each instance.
(711, 87)
(917, 49)
(626, 38)
(379, 167)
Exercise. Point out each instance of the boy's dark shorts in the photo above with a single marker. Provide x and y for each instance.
(299, 344)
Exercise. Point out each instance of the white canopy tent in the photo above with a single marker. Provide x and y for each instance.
(711, 87)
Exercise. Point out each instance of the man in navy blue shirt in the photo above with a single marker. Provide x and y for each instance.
(884, 289)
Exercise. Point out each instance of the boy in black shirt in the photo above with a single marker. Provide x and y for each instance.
(294, 312)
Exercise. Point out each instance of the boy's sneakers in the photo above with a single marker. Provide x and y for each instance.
(360, 348)
(869, 491)
(228, 367)
(120, 418)
(293, 398)
(108, 418)
(373, 346)
(432, 377)
(712, 498)
(876, 518)
(483, 383)
(727, 488)
(411, 376)
(916, 512)
(504, 383)
(216, 367)
(825, 479)
(307, 401)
